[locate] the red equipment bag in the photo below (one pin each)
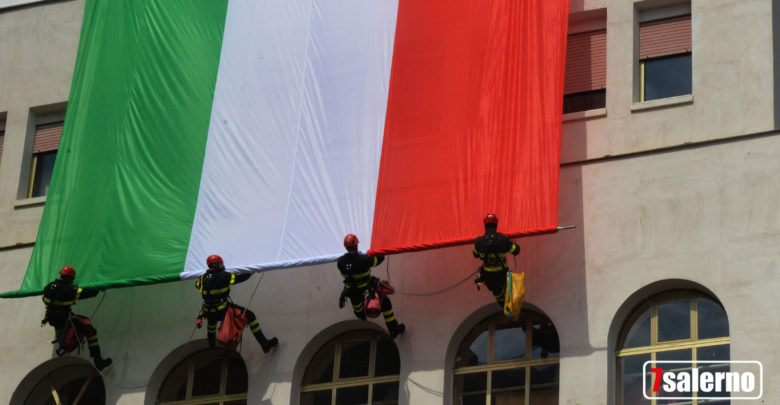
(74, 335)
(232, 327)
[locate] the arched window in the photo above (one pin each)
(358, 367)
(505, 362)
(678, 325)
(212, 376)
(73, 385)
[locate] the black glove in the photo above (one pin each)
(343, 298)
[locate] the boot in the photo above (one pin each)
(212, 338)
(266, 344)
(396, 329)
(100, 363)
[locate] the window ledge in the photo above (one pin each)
(30, 202)
(663, 102)
(584, 115)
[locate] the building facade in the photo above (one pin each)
(670, 166)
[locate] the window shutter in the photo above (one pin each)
(669, 36)
(586, 62)
(47, 137)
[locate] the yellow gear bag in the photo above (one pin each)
(513, 298)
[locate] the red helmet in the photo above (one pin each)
(68, 271)
(490, 219)
(350, 241)
(214, 259)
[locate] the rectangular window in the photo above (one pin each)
(585, 86)
(45, 145)
(665, 64)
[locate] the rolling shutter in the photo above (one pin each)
(586, 62)
(47, 137)
(670, 36)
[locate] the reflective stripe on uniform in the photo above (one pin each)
(493, 268)
(254, 326)
(232, 278)
(60, 303)
(217, 309)
(78, 294)
(215, 292)
(390, 319)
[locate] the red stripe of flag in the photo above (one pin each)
(473, 122)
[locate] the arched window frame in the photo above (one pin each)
(41, 383)
(692, 343)
(528, 318)
(353, 336)
(221, 398)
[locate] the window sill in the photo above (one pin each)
(30, 202)
(584, 115)
(663, 102)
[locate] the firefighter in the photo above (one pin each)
(214, 286)
(355, 267)
(492, 248)
(58, 296)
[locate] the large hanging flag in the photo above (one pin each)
(265, 131)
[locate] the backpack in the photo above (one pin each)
(71, 339)
(232, 327)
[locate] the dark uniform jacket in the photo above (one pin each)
(492, 248)
(59, 296)
(356, 268)
(214, 287)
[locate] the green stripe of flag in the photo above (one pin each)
(125, 184)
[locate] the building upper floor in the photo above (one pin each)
(640, 76)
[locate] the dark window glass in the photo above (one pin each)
(631, 380)
(207, 377)
(354, 359)
(174, 387)
(44, 166)
(508, 379)
(352, 395)
(674, 321)
(316, 397)
(639, 334)
(544, 384)
(385, 394)
(667, 76)
(320, 368)
(472, 383)
(475, 351)
(509, 342)
(237, 380)
(544, 341)
(388, 361)
(586, 100)
(712, 319)
(675, 355)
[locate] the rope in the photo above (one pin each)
(251, 297)
(105, 377)
(426, 294)
(99, 304)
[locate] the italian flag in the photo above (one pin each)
(264, 131)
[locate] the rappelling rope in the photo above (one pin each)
(428, 293)
(251, 297)
(132, 387)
